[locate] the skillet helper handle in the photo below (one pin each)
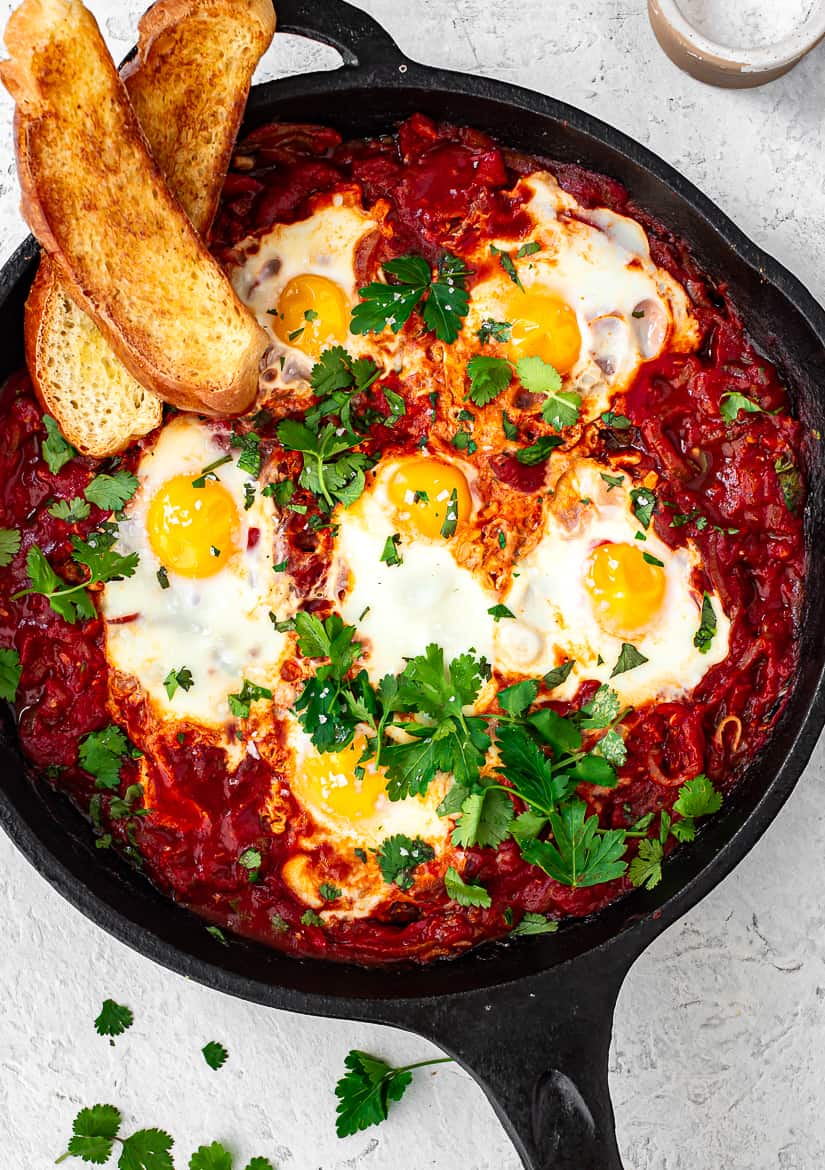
(539, 1049)
(358, 38)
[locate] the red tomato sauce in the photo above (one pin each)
(443, 185)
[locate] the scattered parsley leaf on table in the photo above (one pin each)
(215, 1054)
(147, 1149)
(213, 1157)
(93, 1134)
(368, 1087)
(10, 672)
(113, 1020)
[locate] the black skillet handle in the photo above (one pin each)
(539, 1048)
(358, 38)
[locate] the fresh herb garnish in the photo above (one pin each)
(95, 1131)
(790, 482)
(240, 702)
(651, 560)
(390, 555)
(560, 407)
(450, 516)
(329, 892)
(506, 262)
(497, 612)
(539, 451)
(617, 422)
(215, 1054)
(113, 1020)
(54, 448)
(10, 672)
(332, 471)
(581, 854)
(310, 918)
(445, 298)
(643, 502)
(208, 472)
(704, 635)
(559, 674)
(465, 894)
(528, 249)
(628, 659)
(697, 798)
(70, 510)
(488, 377)
(400, 856)
(182, 677)
(73, 602)
(249, 460)
(111, 492)
(367, 1089)
(535, 924)
(508, 426)
(498, 330)
(612, 481)
(101, 754)
(732, 402)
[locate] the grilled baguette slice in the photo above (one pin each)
(188, 85)
(122, 246)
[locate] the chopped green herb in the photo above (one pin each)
(215, 1054)
(55, 450)
(10, 673)
(70, 510)
(310, 918)
(488, 377)
(113, 1020)
(111, 491)
(528, 249)
(644, 505)
(163, 577)
(506, 262)
(178, 678)
(732, 402)
(498, 330)
(460, 891)
(451, 516)
(497, 612)
(707, 629)
(617, 422)
(400, 856)
(535, 924)
(629, 658)
(651, 560)
(539, 451)
(445, 298)
(239, 703)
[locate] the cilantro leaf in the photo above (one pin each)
(528, 249)
(450, 516)
(698, 798)
(629, 658)
(561, 407)
(114, 1019)
(213, 1157)
(704, 636)
(790, 482)
(365, 1091)
(618, 422)
(506, 262)
(497, 612)
(646, 867)
(249, 460)
(111, 492)
(182, 677)
(331, 372)
(215, 1054)
(517, 698)
(259, 1164)
(485, 818)
(241, 701)
(310, 918)
(582, 855)
(9, 545)
(329, 892)
(331, 471)
(612, 748)
(250, 860)
(390, 555)
(488, 377)
(528, 769)
(101, 753)
(55, 449)
(612, 481)
(70, 510)
(644, 505)
(535, 924)
(465, 894)
(510, 429)
(399, 857)
(447, 303)
(732, 402)
(602, 710)
(147, 1149)
(498, 330)
(559, 674)
(93, 1134)
(10, 672)
(539, 451)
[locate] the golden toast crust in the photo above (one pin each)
(97, 202)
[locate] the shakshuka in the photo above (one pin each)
(475, 618)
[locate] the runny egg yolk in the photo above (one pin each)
(626, 591)
(312, 312)
(193, 531)
(544, 326)
(420, 490)
(328, 783)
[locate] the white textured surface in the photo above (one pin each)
(717, 1058)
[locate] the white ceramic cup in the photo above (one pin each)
(733, 68)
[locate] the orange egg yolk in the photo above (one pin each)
(544, 326)
(312, 313)
(626, 591)
(421, 491)
(193, 531)
(327, 781)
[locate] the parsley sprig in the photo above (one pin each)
(96, 555)
(96, 1130)
(444, 296)
(368, 1087)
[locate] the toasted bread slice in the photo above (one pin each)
(122, 246)
(189, 97)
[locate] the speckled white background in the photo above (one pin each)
(718, 1050)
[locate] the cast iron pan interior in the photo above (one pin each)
(531, 1021)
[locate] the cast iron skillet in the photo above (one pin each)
(531, 1021)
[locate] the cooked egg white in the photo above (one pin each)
(214, 616)
(591, 303)
(299, 280)
(587, 588)
(400, 608)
